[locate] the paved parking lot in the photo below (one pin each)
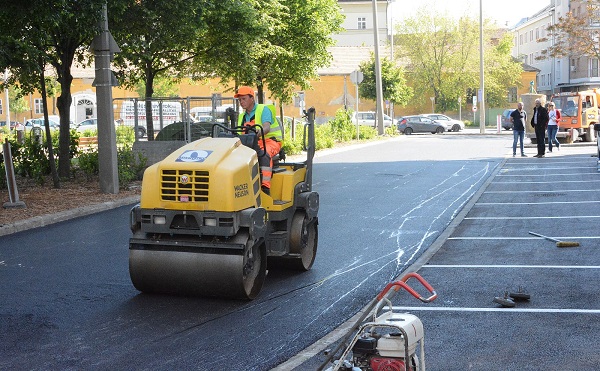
(488, 251)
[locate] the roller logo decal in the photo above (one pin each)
(241, 190)
(184, 179)
(193, 156)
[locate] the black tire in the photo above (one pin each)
(456, 128)
(408, 131)
(141, 132)
(304, 237)
(439, 130)
(590, 135)
(254, 269)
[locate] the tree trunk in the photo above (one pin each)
(63, 103)
(55, 177)
(149, 93)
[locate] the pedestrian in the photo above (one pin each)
(539, 121)
(518, 117)
(553, 124)
(263, 115)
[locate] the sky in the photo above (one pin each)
(502, 11)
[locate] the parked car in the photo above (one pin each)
(31, 123)
(13, 124)
(449, 123)
(368, 119)
(506, 123)
(87, 125)
(420, 124)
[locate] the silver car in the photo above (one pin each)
(450, 123)
(419, 124)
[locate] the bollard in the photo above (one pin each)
(13, 193)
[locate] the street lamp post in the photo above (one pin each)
(460, 108)
(432, 104)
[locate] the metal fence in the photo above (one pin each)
(173, 118)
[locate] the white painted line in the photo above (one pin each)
(505, 170)
(533, 217)
(512, 310)
(537, 203)
(545, 175)
(547, 191)
(511, 266)
(521, 238)
(550, 182)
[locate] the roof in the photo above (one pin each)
(346, 59)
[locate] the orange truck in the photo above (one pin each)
(578, 114)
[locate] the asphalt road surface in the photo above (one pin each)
(68, 303)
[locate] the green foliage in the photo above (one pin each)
(392, 80)
(443, 59)
(125, 136)
(130, 166)
(87, 160)
(341, 127)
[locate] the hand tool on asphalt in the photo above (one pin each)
(387, 341)
(519, 295)
(505, 300)
(559, 243)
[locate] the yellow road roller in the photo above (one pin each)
(204, 227)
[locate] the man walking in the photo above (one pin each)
(539, 122)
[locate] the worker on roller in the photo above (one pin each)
(263, 115)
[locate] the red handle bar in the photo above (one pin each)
(397, 285)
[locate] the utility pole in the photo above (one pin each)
(378, 72)
(103, 47)
(481, 77)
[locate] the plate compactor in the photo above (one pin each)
(204, 227)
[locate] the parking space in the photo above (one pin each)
(490, 252)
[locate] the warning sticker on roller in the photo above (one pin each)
(193, 156)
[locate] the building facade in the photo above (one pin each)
(556, 75)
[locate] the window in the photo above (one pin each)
(557, 74)
(593, 68)
(362, 23)
(531, 35)
(39, 107)
(537, 33)
(1, 108)
(520, 39)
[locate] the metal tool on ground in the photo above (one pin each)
(505, 300)
(204, 227)
(519, 295)
(559, 243)
(387, 340)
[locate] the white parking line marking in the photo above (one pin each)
(533, 217)
(537, 203)
(512, 310)
(511, 266)
(540, 175)
(548, 191)
(522, 238)
(550, 182)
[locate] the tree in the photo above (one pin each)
(576, 33)
(18, 103)
(163, 87)
(294, 48)
(443, 59)
(392, 79)
(49, 32)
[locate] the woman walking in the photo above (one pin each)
(554, 116)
